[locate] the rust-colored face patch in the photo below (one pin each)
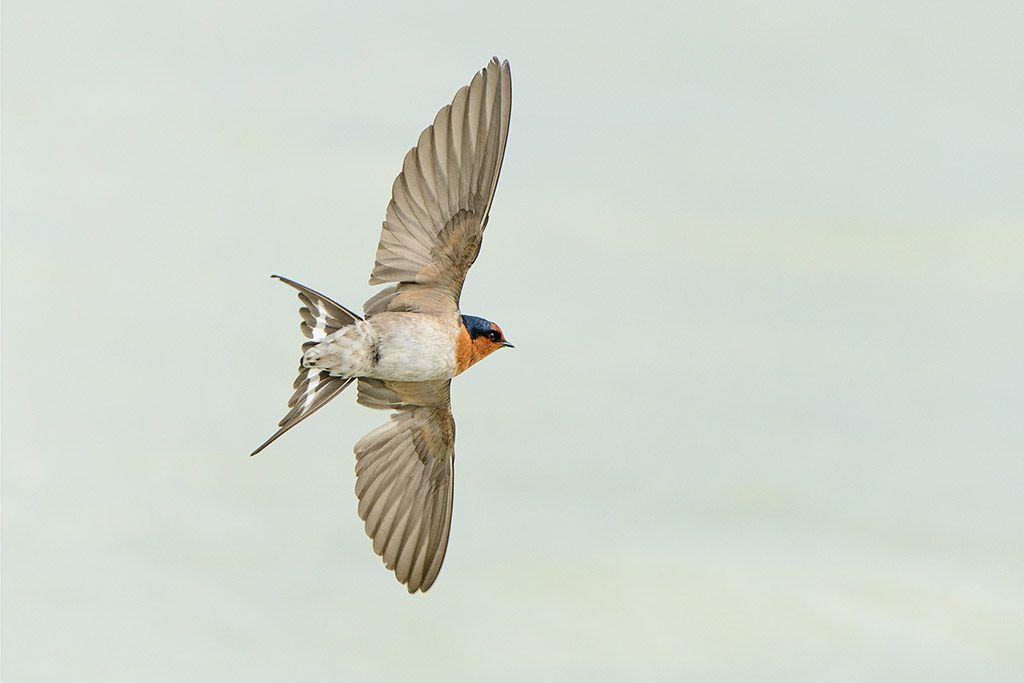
(469, 351)
(463, 351)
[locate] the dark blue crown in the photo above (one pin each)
(476, 326)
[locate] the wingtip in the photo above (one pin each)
(498, 63)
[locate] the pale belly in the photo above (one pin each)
(412, 347)
(403, 347)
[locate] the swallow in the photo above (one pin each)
(412, 338)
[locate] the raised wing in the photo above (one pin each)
(441, 199)
(405, 471)
(321, 316)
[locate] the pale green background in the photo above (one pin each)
(764, 267)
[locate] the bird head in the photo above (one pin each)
(481, 339)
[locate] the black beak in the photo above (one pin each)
(505, 343)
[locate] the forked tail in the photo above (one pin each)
(314, 388)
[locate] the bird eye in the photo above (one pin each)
(494, 336)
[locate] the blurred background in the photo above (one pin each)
(763, 265)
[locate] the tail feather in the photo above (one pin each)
(321, 315)
(321, 390)
(314, 388)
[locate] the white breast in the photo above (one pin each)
(413, 347)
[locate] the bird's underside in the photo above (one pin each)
(401, 355)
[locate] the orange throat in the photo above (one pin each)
(469, 351)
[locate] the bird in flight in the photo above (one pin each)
(412, 339)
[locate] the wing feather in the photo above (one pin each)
(441, 199)
(404, 477)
